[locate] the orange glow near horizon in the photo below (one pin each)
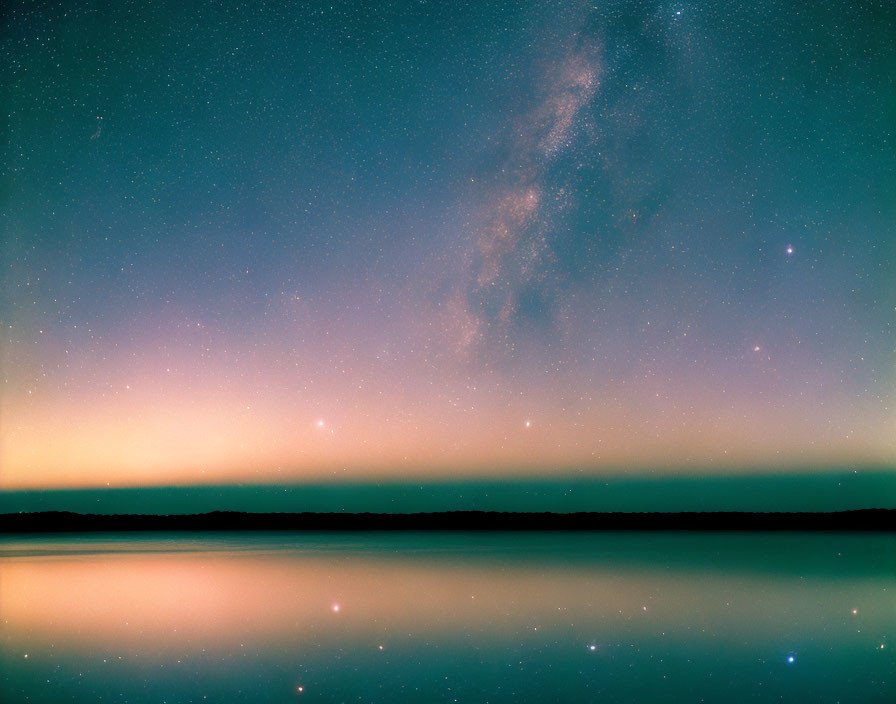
(132, 442)
(131, 418)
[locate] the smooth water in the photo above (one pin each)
(431, 617)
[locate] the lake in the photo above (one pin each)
(448, 617)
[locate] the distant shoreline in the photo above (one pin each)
(67, 522)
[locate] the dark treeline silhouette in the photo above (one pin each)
(62, 521)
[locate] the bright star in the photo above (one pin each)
(335, 607)
(528, 423)
(789, 249)
(791, 659)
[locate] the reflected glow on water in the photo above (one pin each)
(438, 617)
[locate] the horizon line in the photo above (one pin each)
(668, 474)
(869, 519)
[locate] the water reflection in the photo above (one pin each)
(442, 617)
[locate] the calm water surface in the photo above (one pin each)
(448, 618)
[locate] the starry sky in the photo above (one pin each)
(422, 241)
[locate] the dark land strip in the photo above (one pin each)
(66, 522)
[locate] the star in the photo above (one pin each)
(528, 423)
(789, 250)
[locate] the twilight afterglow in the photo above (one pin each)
(425, 241)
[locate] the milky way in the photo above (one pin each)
(424, 240)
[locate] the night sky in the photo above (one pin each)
(277, 243)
